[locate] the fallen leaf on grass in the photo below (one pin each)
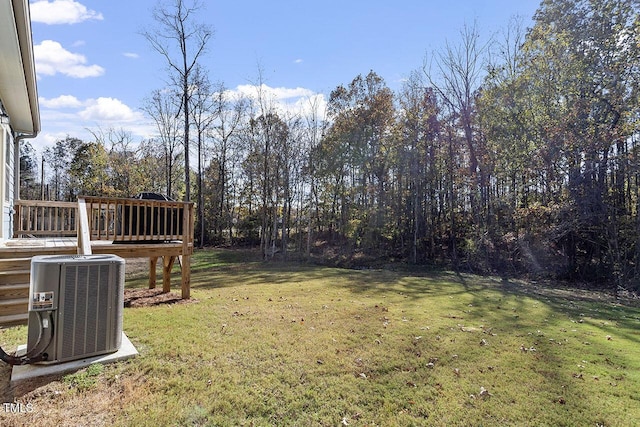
(484, 392)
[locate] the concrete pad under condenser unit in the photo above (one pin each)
(25, 372)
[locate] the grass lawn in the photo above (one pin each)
(289, 344)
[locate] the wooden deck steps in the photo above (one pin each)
(14, 320)
(14, 290)
(12, 264)
(15, 276)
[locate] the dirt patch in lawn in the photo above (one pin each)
(151, 297)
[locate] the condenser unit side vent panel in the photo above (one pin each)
(87, 311)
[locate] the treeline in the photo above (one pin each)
(520, 155)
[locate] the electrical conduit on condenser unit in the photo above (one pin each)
(36, 354)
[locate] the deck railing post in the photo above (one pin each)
(17, 220)
(84, 235)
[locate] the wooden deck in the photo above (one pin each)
(129, 228)
(33, 243)
(168, 251)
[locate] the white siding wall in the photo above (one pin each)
(6, 181)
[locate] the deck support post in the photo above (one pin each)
(167, 266)
(153, 262)
(186, 276)
(187, 250)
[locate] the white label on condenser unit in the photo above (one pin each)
(42, 301)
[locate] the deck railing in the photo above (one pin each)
(34, 218)
(117, 219)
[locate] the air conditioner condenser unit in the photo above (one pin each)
(76, 306)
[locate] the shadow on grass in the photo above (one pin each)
(228, 268)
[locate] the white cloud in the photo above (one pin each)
(62, 12)
(279, 93)
(298, 61)
(311, 106)
(63, 101)
(291, 93)
(131, 55)
(108, 110)
(68, 115)
(47, 139)
(69, 111)
(294, 101)
(51, 58)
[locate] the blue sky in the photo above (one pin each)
(95, 69)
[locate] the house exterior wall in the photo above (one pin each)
(7, 148)
(19, 110)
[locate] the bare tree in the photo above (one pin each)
(315, 127)
(182, 42)
(230, 113)
(458, 74)
(203, 109)
(163, 110)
